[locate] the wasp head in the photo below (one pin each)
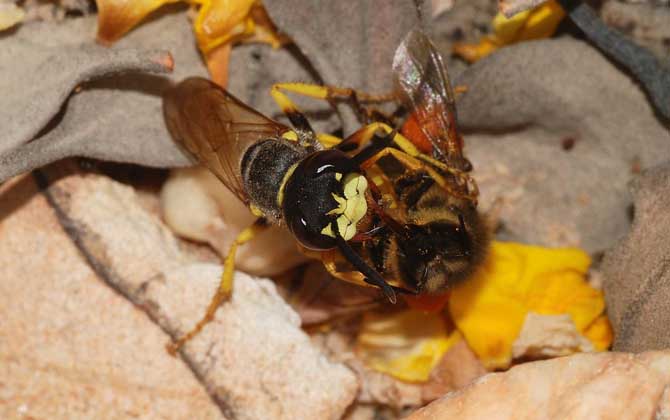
(324, 197)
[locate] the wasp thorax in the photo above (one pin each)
(324, 197)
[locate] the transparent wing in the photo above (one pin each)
(216, 128)
(425, 89)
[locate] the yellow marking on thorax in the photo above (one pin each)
(290, 135)
(282, 186)
(255, 210)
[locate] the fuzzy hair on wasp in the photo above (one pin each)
(373, 207)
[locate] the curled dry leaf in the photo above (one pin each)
(116, 118)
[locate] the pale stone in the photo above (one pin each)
(71, 347)
(545, 336)
(260, 361)
(196, 205)
(619, 386)
(254, 360)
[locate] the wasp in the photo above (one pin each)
(376, 208)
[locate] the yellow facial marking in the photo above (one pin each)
(328, 231)
(351, 208)
(338, 176)
(341, 205)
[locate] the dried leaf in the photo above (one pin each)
(117, 118)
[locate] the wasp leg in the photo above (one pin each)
(332, 93)
(225, 286)
(415, 164)
(409, 155)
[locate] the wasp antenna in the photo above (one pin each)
(371, 276)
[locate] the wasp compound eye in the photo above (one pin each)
(324, 192)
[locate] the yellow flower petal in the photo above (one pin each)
(10, 15)
(542, 22)
(217, 64)
(600, 333)
(537, 23)
(220, 21)
(406, 345)
(474, 52)
(516, 279)
(116, 17)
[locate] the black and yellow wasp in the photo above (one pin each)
(376, 207)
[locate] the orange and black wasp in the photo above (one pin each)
(377, 208)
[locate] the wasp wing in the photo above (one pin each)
(216, 128)
(425, 89)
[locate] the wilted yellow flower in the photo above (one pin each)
(116, 17)
(219, 23)
(600, 333)
(537, 23)
(489, 311)
(516, 279)
(222, 21)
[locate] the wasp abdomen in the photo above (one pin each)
(264, 167)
